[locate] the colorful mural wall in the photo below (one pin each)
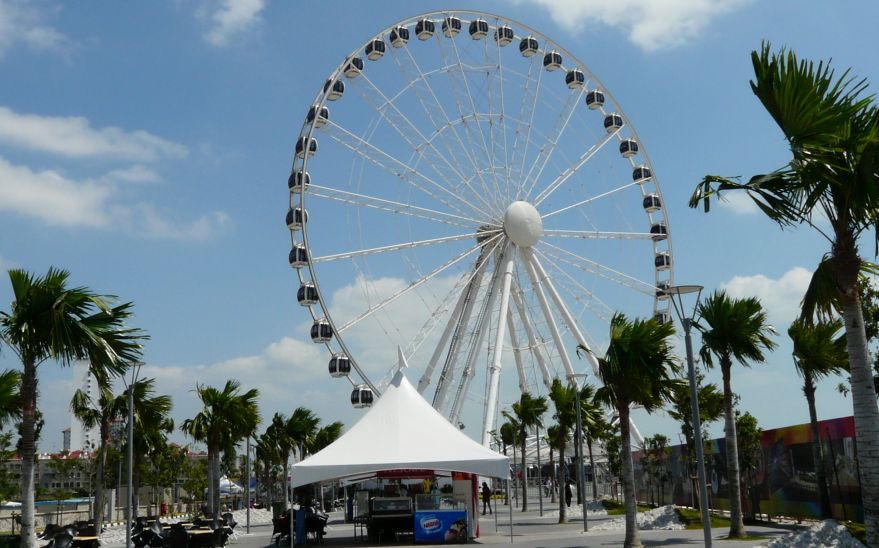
(784, 481)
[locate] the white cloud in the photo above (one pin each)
(50, 197)
(73, 137)
(57, 200)
(232, 19)
(780, 297)
(145, 219)
(650, 24)
(133, 174)
(21, 23)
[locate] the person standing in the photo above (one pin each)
(486, 498)
(568, 493)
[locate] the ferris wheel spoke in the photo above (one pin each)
(422, 146)
(461, 91)
(431, 105)
(593, 267)
(396, 295)
(599, 235)
(405, 172)
(543, 157)
(547, 315)
(606, 311)
(590, 200)
(567, 173)
(503, 124)
(395, 247)
(521, 125)
(362, 200)
(569, 320)
(529, 117)
(533, 344)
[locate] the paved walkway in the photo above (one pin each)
(529, 530)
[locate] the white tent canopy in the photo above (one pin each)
(401, 431)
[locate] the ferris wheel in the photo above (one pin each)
(465, 188)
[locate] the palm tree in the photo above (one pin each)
(595, 426)
(301, 428)
(10, 396)
(733, 328)
(833, 129)
(227, 416)
(326, 435)
(152, 424)
(681, 410)
(639, 368)
(100, 414)
(267, 455)
(48, 320)
(818, 352)
(528, 412)
(564, 398)
(553, 441)
(508, 432)
(283, 443)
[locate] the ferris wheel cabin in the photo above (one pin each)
(319, 120)
(306, 146)
(361, 396)
(340, 365)
(334, 90)
(612, 122)
(503, 35)
(321, 331)
(662, 261)
(353, 68)
(424, 29)
(296, 217)
(451, 27)
(307, 294)
(374, 50)
(298, 256)
(399, 36)
(528, 46)
(659, 231)
(652, 203)
(552, 61)
(478, 29)
(298, 180)
(575, 79)
(641, 174)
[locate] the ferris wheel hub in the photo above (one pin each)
(523, 224)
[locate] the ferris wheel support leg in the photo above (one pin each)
(478, 337)
(636, 434)
(532, 340)
(517, 352)
(495, 370)
(444, 381)
(566, 314)
(547, 313)
(450, 325)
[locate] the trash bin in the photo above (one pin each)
(278, 508)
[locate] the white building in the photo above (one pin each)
(82, 438)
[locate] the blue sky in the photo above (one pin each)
(145, 148)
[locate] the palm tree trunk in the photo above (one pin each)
(578, 458)
(523, 435)
(736, 522)
(98, 515)
(28, 450)
(632, 536)
(817, 450)
(215, 480)
(563, 509)
(552, 475)
(864, 404)
(592, 467)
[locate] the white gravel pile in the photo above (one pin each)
(594, 508)
(825, 533)
(663, 517)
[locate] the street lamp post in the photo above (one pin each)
(580, 487)
(247, 486)
(676, 293)
(135, 369)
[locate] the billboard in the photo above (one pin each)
(783, 482)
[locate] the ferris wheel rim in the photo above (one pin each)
(308, 132)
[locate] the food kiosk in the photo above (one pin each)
(440, 518)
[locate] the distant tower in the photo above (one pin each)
(65, 443)
(82, 438)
